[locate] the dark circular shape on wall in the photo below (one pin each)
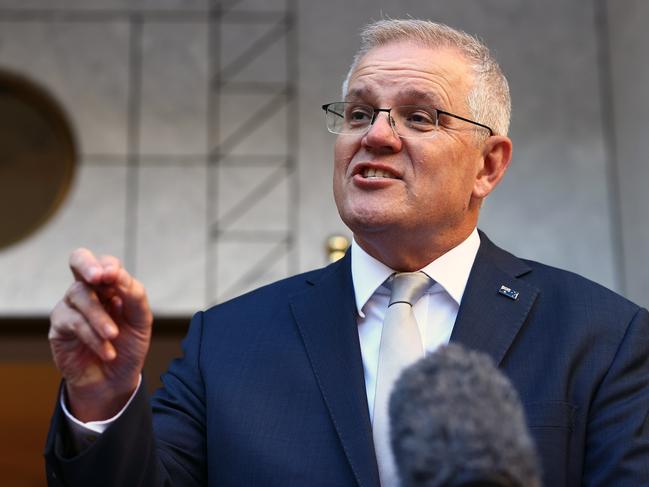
(37, 157)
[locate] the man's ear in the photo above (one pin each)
(496, 154)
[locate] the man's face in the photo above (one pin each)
(421, 187)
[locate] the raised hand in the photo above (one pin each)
(99, 335)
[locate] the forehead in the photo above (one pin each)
(407, 71)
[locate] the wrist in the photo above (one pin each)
(98, 403)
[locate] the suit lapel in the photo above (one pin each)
(490, 317)
(326, 317)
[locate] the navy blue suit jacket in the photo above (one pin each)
(270, 390)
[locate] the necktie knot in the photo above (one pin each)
(408, 287)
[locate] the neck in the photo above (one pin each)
(408, 255)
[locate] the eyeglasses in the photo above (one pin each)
(408, 121)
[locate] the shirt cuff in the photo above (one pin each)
(84, 434)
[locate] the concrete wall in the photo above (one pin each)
(628, 120)
(142, 82)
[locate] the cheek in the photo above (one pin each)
(344, 150)
(341, 162)
(443, 175)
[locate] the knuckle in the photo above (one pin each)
(84, 332)
(110, 260)
(75, 324)
(77, 255)
(52, 332)
(76, 292)
(56, 311)
(62, 321)
(57, 316)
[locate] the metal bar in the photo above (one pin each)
(254, 50)
(132, 168)
(252, 87)
(91, 15)
(170, 159)
(152, 159)
(226, 6)
(253, 196)
(253, 122)
(253, 17)
(220, 155)
(252, 236)
(249, 277)
(213, 138)
(293, 134)
(254, 160)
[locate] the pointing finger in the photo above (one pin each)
(85, 266)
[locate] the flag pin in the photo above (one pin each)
(510, 293)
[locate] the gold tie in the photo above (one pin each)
(400, 347)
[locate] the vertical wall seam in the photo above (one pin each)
(213, 137)
(293, 127)
(607, 104)
(132, 168)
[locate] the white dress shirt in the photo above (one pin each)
(435, 312)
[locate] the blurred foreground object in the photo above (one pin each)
(336, 247)
(456, 420)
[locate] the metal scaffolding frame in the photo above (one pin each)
(281, 25)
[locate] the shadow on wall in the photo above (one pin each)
(38, 154)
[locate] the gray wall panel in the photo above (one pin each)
(629, 52)
(143, 91)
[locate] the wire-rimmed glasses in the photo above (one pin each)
(408, 121)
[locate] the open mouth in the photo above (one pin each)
(369, 173)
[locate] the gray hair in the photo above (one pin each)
(488, 101)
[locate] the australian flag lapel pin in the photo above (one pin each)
(509, 292)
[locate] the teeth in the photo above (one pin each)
(376, 173)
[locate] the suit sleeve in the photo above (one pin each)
(141, 448)
(617, 443)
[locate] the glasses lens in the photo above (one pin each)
(415, 121)
(348, 118)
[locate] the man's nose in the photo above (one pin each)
(382, 135)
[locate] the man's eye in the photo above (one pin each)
(358, 115)
(420, 119)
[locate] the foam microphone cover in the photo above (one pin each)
(457, 421)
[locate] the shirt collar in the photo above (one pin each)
(450, 271)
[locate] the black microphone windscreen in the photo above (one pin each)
(456, 420)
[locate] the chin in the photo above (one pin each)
(363, 222)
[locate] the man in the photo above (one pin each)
(286, 385)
